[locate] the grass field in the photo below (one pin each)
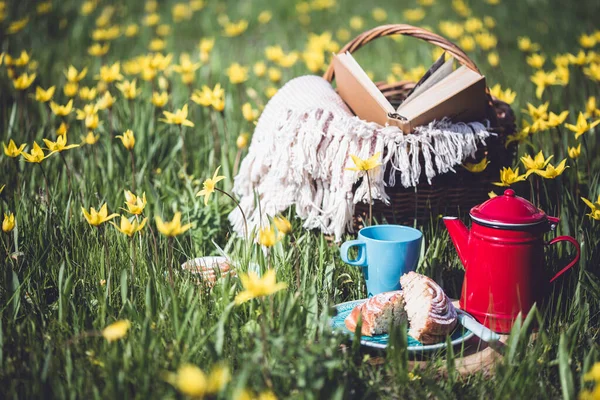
(63, 280)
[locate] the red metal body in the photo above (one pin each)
(504, 261)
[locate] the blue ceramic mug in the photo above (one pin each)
(386, 252)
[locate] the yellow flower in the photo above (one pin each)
(88, 7)
(97, 218)
(8, 224)
(259, 69)
(189, 380)
(591, 109)
(288, 60)
(486, 40)
(255, 286)
(62, 129)
(237, 74)
(232, 29)
(132, 30)
(536, 60)
(479, 167)
(587, 41)
(343, 34)
(218, 378)
(365, 165)
(172, 228)
(267, 236)
(274, 74)
(185, 64)
(578, 59)
(379, 14)
(23, 81)
(539, 112)
(110, 73)
(270, 91)
(177, 118)
(595, 214)
(493, 59)
(105, 102)
(582, 125)
(130, 228)
(203, 97)
(36, 155)
(73, 75)
(242, 141)
(556, 120)
(12, 150)
(473, 25)
(508, 177)
(197, 5)
(356, 23)
(209, 186)
(88, 110)
(128, 88)
(467, 43)
(127, 139)
(206, 45)
(537, 163)
(313, 59)
(551, 171)
(574, 152)
(101, 35)
(414, 15)
(507, 96)
(98, 50)
(462, 8)
(117, 330)
(452, 30)
(19, 62)
(135, 204)
(489, 22)
(90, 138)
(59, 145)
(265, 16)
(491, 194)
(181, 11)
(249, 113)
(88, 94)
(44, 96)
(283, 225)
(151, 19)
(160, 99)
(593, 72)
(17, 25)
(70, 89)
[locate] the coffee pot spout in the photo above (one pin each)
(459, 234)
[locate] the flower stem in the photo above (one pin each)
(237, 204)
(170, 261)
(46, 181)
(236, 163)
(62, 157)
(370, 200)
(183, 150)
(106, 260)
(132, 169)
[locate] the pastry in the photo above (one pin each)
(431, 314)
(378, 313)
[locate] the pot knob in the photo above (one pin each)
(509, 192)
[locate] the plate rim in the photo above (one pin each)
(426, 347)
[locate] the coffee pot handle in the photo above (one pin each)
(575, 260)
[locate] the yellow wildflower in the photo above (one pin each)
(591, 110)
(582, 125)
(88, 110)
(110, 73)
(414, 15)
(356, 23)
(70, 89)
(131, 30)
(288, 60)
(185, 64)
(249, 113)
(343, 34)
(160, 99)
(88, 94)
(587, 41)
(265, 16)
(157, 44)
(130, 228)
(190, 381)
(8, 223)
(173, 227)
(313, 59)
(117, 330)
(274, 53)
(556, 120)
(73, 75)
(507, 96)
(237, 74)
(128, 88)
(260, 69)
(478, 167)
(467, 43)
(595, 214)
(255, 286)
(489, 22)
(128, 139)
(536, 163)
(135, 204)
(98, 50)
(105, 102)
(23, 81)
(62, 129)
(12, 150)
(270, 91)
(209, 186)
(44, 96)
(283, 224)
(452, 30)
(539, 112)
(151, 19)
(177, 118)
(97, 218)
(551, 171)
(379, 14)
(88, 7)
(493, 59)
(181, 11)
(578, 59)
(36, 155)
(17, 26)
(90, 138)
(21, 61)
(473, 25)
(196, 5)
(491, 194)
(536, 60)
(508, 177)
(593, 72)
(574, 152)
(232, 29)
(365, 165)
(274, 74)
(242, 141)
(59, 145)
(486, 40)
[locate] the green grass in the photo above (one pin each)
(52, 302)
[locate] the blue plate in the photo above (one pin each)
(460, 335)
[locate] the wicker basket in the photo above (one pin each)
(450, 192)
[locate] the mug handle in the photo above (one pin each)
(572, 263)
(361, 260)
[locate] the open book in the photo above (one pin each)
(443, 92)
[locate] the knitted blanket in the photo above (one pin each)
(301, 148)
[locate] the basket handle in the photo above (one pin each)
(408, 30)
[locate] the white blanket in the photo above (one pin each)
(301, 148)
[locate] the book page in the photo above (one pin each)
(365, 81)
(437, 76)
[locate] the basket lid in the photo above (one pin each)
(508, 210)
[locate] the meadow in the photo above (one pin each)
(135, 105)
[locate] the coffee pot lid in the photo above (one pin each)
(508, 210)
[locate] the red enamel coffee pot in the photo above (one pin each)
(503, 256)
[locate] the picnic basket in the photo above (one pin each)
(449, 192)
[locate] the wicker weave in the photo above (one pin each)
(450, 192)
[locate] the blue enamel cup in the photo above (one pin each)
(385, 253)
